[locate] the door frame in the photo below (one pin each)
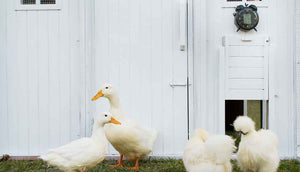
(190, 67)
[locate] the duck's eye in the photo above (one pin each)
(106, 87)
(105, 115)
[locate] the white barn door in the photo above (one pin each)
(40, 77)
(140, 49)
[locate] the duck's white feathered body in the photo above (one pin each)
(84, 153)
(208, 153)
(129, 139)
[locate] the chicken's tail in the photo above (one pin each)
(201, 134)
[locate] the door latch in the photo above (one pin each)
(172, 84)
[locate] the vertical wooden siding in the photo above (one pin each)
(39, 78)
(298, 73)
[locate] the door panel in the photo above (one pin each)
(137, 49)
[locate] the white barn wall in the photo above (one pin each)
(211, 23)
(40, 78)
(44, 99)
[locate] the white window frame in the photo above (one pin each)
(233, 4)
(37, 6)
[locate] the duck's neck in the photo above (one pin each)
(114, 102)
(115, 107)
(98, 134)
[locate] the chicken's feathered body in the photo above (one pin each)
(258, 150)
(209, 154)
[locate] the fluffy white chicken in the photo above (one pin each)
(208, 153)
(258, 150)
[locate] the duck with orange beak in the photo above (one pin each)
(84, 153)
(129, 139)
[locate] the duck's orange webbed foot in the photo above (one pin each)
(120, 164)
(136, 167)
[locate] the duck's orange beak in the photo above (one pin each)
(113, 120)
(99, 94)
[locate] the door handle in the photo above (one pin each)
(182, 25)
(173, 84)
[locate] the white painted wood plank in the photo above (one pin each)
(146, 33)
(244, 84)
(179, 75)
(22, 88)
(33, 101)
(134, 52)
(222, 91)
(245, 95)
(201, 107)
(191, 69)
(75, 71)
(3, 78)
(124, 56)
(266, 71)
(114, 48)
(248, 51)
(54, 85)
(298, 72)
(43, 78)
(64, 70)
(157, 69)
(167, 97)
(84, 18)
(246, 62)
(249, 73)
(89, 55)
(12, 81)
(245, 40)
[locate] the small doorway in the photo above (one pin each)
(257, 110)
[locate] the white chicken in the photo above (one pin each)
(258, 150)
(85, 153)
(208, 153)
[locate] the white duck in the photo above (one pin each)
(258, 150)
(208, 153)
(129, 139)
(85, 153)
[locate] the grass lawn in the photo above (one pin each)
(150, 165)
